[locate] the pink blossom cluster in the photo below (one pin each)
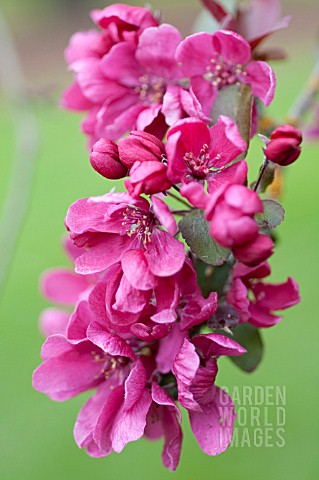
(133, 316)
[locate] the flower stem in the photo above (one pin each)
(261, 174)
(179, 199)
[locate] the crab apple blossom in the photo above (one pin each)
(117, 227)
(131, 322)
(231, 211)
(196, 153)
(123, 406)
(267, 297)
(215, 61)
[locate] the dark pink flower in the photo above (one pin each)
(116, 227)
(214, 61)
(210, 409)
(231, 212)
(284, 145)
(257, 301)
(145, 82)
(196, 153)
(127, 403)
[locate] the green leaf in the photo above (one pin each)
(249, 337)
(212, 279)
(195, 231)
(272, 216)
(235, 102)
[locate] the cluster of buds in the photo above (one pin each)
(143, 294)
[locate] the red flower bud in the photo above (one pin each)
(105, 160)
(140, 146)
(283, 147)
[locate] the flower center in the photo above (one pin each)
(139, 222)
(201, 166)
(108, 364)
(151, 89)
(221, 73)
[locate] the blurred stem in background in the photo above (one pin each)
(26, 147)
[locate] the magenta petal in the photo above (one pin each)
(131, 419)
(262, 79)
(172, 106)
(79, 322)
(277, 296)
(194, 192)
(255, 252)
(213, 426)
(205, 93)
(171, 419)
(195, 53)
(128, 299)
(109, 343)
(262, 318)
(226, 141)
(104, 254)
(120, 64)
(197, 310)
(184, 368)
(74, 99)
(236, 173)
(231, 47)
(149, 332)
(153, 54)
(107, 417)
(63, 286)
(88, 417)
(69, 371)
(164, 215)
(136, 270)
(165, 255)
(169, 348)
(214, 344)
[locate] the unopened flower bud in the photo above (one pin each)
(284, 145)
(105, 160)
(142, 147)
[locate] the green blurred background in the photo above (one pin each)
(36, 433)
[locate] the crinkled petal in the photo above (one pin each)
(262, 79)
(213, 426)
(165, 255)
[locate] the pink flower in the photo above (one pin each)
(127, 403)
(131, 84)
(284, 145)
(145, 84)
(196, 153)
(214, 61)
(211, 411)
(267, 297)
(123, 304)
(116, 227)
(231, 212)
